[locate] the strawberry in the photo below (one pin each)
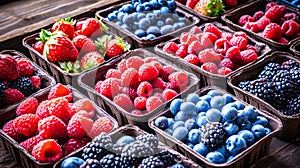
(9, 69)
(65, 25)
(78, 25)
(84, 44)
(290, 28)
(140, 103)
(25, 67)
(90, 60)
(182, 51)
(191, 3)
(210, 67)
(209, 27)
(124, 101)
(272, 31)
(192, 59)
(170, 47)
(39, 46)
(248, 56)
(222, 45)
(195, 47)
(209, 7)
(92, 27)
(244, 19)
(116, 47)
(209, 55)
(224, 71)
(230, 3)
(234, 54)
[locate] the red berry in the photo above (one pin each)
(148, 72)
(270, 5)
(263, 22)
(226, 62)
(39, 46)
(251, 47)
(248, 56)
(275, 13)
(91, 27)
(98, 85)
(240, 34)
(152, 103)
(85, 105)
(191, 3)
(234, 54)
(252, 26)
(222, 45)
(195, 47)
(79, 24)
(290, 28)
(131, 92)
(158, 83)
(272, 31)
(12, 96)
(208, 39)
(144, 89)
(78, 126)
(168, 94)
(283, 40)
(187, 38)
(209, 27)
(179, 79)
(36, 82)
(84, 44)
(244, 19)
(52, 127)
(150, 59)
(182, 51)
(230, 3)
(59, 107)
(290, 16)
(25, 67)
(134, 62)
(102, 124)
(240, 42)
(209, 55)
(195, 30)
(29, 143)
(210, 67)
(130, 77)
(136, 112)
(60, 90)
(29, 105)
(42, 110)
(192, 59)
(113, 73)
(75, 143)
(257, 15)
(224, 71)
(122, 65)
(123, 101)
(140, 103)
(47, 151)
(166, 71)
(227, 36)
(157, 65)
(26, 124)
(109, 87)
(9, 129)
(170, 47)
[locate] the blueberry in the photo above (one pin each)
(194, 136)
(161, 122)
(261, 120)
(144, 23)
(259, 131)
(182, 116)
(228, 98)
(151, 17)
(246, 126)
(171, 5)
(177, 165)
(240, 105)
(201, 121)
(167, 29)
(180, 133)
(175, 16)
(135, 26)
(206, 98)
(140, 16)
(134, 14)
(178, 124)
(151, 36)
(125, 26)
(171, 122)
(202, 106)
(193, 97)
(128, 8)
(136, 4)
(235, 144)
(217, 102)
(112, 16)
(231, 128)
(247, 136)
(229, 114)
(230, 105)
(147, 4)
(268, 131)
(169, 131)
(153, 30)
(241, 117)
(182, 19)
(119, 23)
(159, 23)
(215, 157)
(147, 8)
(201, 149)
(169, 21)
(155, 4)
(251, 112)
(134, 1)
(120, 16)
(188, 107)
(214, 93)
(176, 26)
(142, 1)
(71, 162)
(190, 145)
(190, 124)
(128, 19)
(180, 25)
(126, 139)
(140, 33)
(140, 8)
(223, 150)
(162, 2)
(213, 115)
(164, 10)
(175, 106)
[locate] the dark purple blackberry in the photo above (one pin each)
(23, 84)
(3, 87)
(284, 85)
(150, 139)
(293, 106)
(137, 150)
(103, 139)
(269, 71)
(117, 149)
(290, 64)
(213, 135)
(91, 163)
(152, 162)
(112, 161)
(261, 88)
(245, 85)
(93, 150)
(166, 157)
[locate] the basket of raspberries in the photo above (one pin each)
(73, 46)
(147, 22)
(137, 86)
(51, 125)
(215, 129)
(20, 78)
(212, 52)
(127, 147)
(275, 24)
(273, 84)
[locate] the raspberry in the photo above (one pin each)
(270, 5)
(251, 47)
(29, 143)
(47, 151)
(26, 124)
(182, 51)
(27, 106)
(36, 82)
(257, 15)
(240, 42)
(210, 67)
(275, 13)
(226, 62)
(75, 143)
(263, 22)
(290, 16)
(85, 105)
(195, 47)
(134, 62)
(157, 65)
(113, 73)
(25, 67)
(244, 19)
(147, 72)
(9, 129)
(60, 90)
(122, 65)
(283, 40)
(166, 71)
(150, 59)
(195, 30)
(130, 77)
(52, 127)
(140, 103)
(227, 36)
(224, 71)
(131, 92)
(248, 56)
(187, 38)
(170, 47)
(240, 34)
(179, 79)
(12, 96)
(78, 126)
(169, 94)
(109, 87)
(123, 101)
(158, 83)
(290, 28)
(272, 31)
(222, 45)
(192, 59)
(144, 89)
(152, 103)
(208, 39)
(136, 112)
(42, 110)
(59, 107)
(252, 26)
(102, 124)
(209, 27)
(234, 54)
(209, 55)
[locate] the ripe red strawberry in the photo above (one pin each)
(222, 45)
(195, 47)
(60, 90)
(263, 22)
(166, 71)
(191, 3)
(148, 72)
(85, 105)
(113, 73)
(226, 62)
(98, 86)
(230, 3)
(240, 42)
(42, 111)
(75, 143)
(78, 25)
(248, 56)
(9, 69)
(36, 82)
(168, 94)
(136, 112)
(208, 40)
(79, 126)
(272, 31)
(144, 89)
(39, 46)
(91, 60)
(110, 87)
(102, 124)
(275, 13)
(25, 67)
(52, 127)
(134, 62)
(140, 103)
(65, 25)
(195, 30)
(252, 26)
(130, 77)
(283, 40)
(179, 79)
(152, 103)
(47, 151)
(12, 96)
(84, 44)
(244, 19)
(209, 7)
(182, 51)
(9, 129)
(26, 124)
(29, 105)
(209, 27)
(224, 71)
(234, 54)
(209, 55)
(123, 101)
(290, 28)
(92, 27)
(116, 47)
(60, 108)
(170, 47)
(257, 15)
(29, 143)
(130, 91)
(210, 67)
(192, 59)
(158, 83)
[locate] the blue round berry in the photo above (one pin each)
(161, 122)
(175, 106)
(140, 33)
(193, 97)
(201, 149)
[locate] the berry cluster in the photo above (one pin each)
(148, 19)
(142, 151)
(18, 79)
(42, 128)
(78, 46)
(214, 125)
(215, 51)
(274, 23)
(279, 85)
(141, 85)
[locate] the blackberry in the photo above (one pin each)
(103, 139)
(93, 150)
(3, 87)
(293, 106)
(152, 162)
(261, 88)
(117, 149)
(23, 84)
(112, 161)
(91, 163)
(150, 139)
(137, 150)
(213, 135)
(283, 84)
(290, 64)
(166, 157)
(245, 85)
(269, 71)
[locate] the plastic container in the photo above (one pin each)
(207, 78)
(47, 81)
(89, 79)
(231, 19)
(244, 159)
(136, 41)
(295, 48)
(22, 156)
(135, 131)
(291, 124)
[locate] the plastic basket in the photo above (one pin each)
(291, 124)
(231, 19)
(136, 41)
(135, 131)
(295, 48)
(244, 159)
(207, 78)
(22, 156)
(89, 79)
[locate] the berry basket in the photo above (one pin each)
(89, 79)
(207, 78)
(291, 124)
(46, 80)
(21, 155)
(139, 42)
(134, 131)
(291, 4)
(296, 48)
(232, 18)
(245, 158)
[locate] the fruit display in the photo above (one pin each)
(20, 78)
(55, 124)
(293, 3)
(213, 124)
